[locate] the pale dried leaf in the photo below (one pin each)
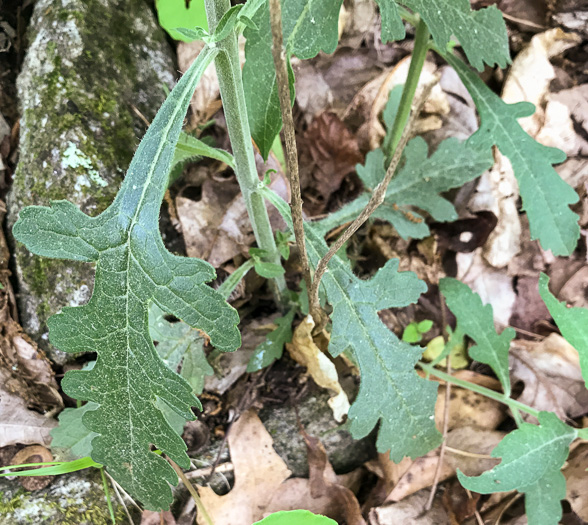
(258, 472)
(18, 424)
(550, 370)
(410, 512)
(304, 351)
(576, 478)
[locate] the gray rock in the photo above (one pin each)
(71, 499)
(89, 64)
(345, 453)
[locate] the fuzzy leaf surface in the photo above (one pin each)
(273, 347)
(572, 322)
(179, 343)
(71, 434)
(309, 26)
(417, 183)
(133, 269)
(532, 457)
(391, 392)
(546, 197)
(476, 320)
(481, 33)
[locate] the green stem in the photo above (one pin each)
(107, 495)
(231, 88)
(421, 46)
(502, 398)
(228, 287)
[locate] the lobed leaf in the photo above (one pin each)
(309, 26)
(477, 321)
(481, 33)
(572, 322)
(546, 197)
(417, 183)
(71, 434)
(133, 269)
(532, 457)
(391, 392)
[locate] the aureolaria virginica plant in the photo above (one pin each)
(133, 393)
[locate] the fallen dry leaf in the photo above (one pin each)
(33, 454)
(550, 371)
(492, 285)
(323, 493)
(410, 511)
(576, 476)
(258, 472)
(18, 424)
(149, 517)
(305, 352)
(468, 449)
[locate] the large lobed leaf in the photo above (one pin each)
(477, 321)
(133, 269)
(572, 322)
(546, 197)
(532, 457)
(391, 392)
(309, 26)
(417, 183)
(481, 33)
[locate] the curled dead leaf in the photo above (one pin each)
(305, 352)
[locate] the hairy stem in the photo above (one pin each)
(377, 198)
(231, 88)
(513, 404)
(281, 67)
(421, 43)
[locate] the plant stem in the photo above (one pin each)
(502, 398)
(421, 45)
(279, 56)
(231, 88)
(377, 198)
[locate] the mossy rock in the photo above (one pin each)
(71, 499)
(92, 70)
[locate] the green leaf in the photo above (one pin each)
(545, 195)
(295, 517)
(572, 322)
(481, 33)
(477, 321)
(71, 434)
(532, 457)
(269, 270)
(173, 14)
(309, 26)
(417, 183)
(191, 149)
(391, 392)
(180, 343)
(57, 468)
(271, 349)
(133, 269)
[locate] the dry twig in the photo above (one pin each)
(377, 198)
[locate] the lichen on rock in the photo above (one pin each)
(71, 499)
(94, 70)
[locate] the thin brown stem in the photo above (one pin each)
(192, 492)
(377, 198)
(281, 67)
(442, 450)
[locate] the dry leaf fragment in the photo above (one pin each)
(258, 472)
(577, 479)
(18, 424)
(550, 370)
(304, 351)
(410, 512)
(33, 454)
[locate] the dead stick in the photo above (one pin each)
(279, 55)
(377, 198)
